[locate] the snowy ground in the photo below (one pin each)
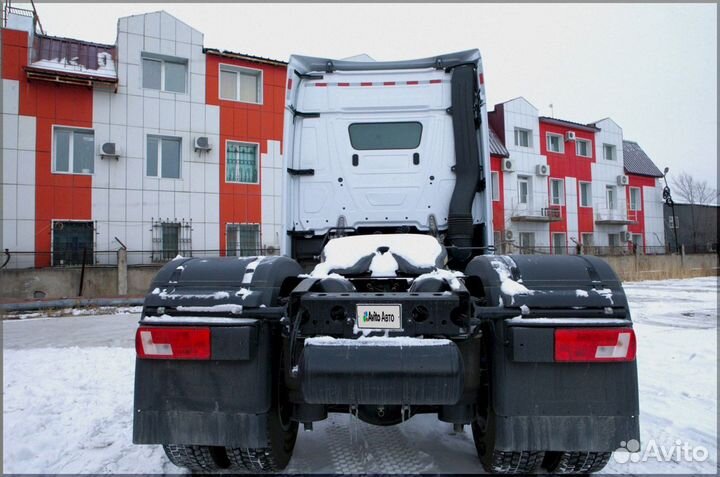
(68, 399)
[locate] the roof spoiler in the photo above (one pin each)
(309, 64)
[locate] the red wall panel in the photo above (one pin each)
(255, 123)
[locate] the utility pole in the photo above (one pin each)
(667, 197)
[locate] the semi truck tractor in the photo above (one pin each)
(387, 299)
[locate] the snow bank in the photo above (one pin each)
(376, 341)
(421, 251)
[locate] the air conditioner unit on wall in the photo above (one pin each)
(625, 236)
(542, 170)
(570, 136)
(202, 144)
(508, 165)
(508, 235)
(623, 180)
(109, 151)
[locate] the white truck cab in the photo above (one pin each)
(371, 147)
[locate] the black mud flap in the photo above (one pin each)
(539, 404)
(356, 372)
(219, 402)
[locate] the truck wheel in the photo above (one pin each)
(275, 455)
(197, 458)
(281, 434)
(496, 461)
(576, 462)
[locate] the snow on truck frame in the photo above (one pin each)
(405, 309)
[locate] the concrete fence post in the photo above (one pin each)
(122, 272)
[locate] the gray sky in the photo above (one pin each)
(650, 67)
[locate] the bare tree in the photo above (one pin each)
(694, 191)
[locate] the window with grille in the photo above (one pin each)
(170, 239)
(243, 240)
(241, 163)
(73, 242)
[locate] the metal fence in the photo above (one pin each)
(108, 258)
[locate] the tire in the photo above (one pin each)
(197, 458)
(576, 462)
(281, 434)
(496, 461)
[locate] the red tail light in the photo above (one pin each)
(595, 344)
(172, 343)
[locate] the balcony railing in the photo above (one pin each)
(617, 215)
(547, 213)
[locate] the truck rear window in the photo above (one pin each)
(369, 136)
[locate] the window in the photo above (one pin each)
(523, 190)
(372, 136)
(71, 240)
(74, 150)
(610, 197)
(582, 148)
(243, 239)
(555, 143)
(673, 222)
(523, 137)
(241, 163)
(609, 152)
(163, 157)
(527, 242)
(585, 194)
(614, 240)
(164, 73)
(170, 239)
(559, 244)
(495, 182)
(241, 84)
(587, 240)
(557, 190)
(635, 198)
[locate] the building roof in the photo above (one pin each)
(637, 162)
(563, 122)
(496, 146)
(72, 57)
(243, 56)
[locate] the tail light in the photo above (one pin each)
(595, 344)
(172, 343)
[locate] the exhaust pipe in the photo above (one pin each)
(467, 163)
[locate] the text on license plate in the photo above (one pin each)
(387, 317)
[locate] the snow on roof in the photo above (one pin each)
(74, 57)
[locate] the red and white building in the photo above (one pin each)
(156, 141)
(167, 147)
(564, 184)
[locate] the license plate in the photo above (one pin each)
(384, 317)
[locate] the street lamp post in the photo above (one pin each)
(667, 197)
